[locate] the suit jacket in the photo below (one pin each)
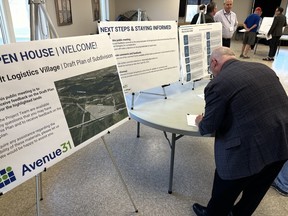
(276, 28)
(247, 108)
(208, 19)
(195, 18)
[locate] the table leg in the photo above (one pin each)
(278, 48)
(138, 129)
(172, 162)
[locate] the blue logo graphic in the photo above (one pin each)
(7, 176)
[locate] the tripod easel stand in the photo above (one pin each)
(35, 26)
(35, 5)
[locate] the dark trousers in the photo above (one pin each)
(273, 45)
(226, 42)
(253, 188)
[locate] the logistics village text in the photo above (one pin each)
(9, 58)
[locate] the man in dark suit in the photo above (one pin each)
(211, 11)
(208, 17)
(247, 110)
(276, 31)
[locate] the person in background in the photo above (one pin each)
(251, 26)
(257, 32)
(246, 108)
(229, 22)
(280, 184)
(201, 12)
(275, 31)
(210, 12)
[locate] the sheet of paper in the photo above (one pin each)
(268, 37)
(201, 96)
(191, 120)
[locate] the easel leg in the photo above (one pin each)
(119, 173)
(40, 187)
(35, 7)
(37, 195)
(32, 21)
(52, 27)
(255, 47)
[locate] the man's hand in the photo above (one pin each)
(198, 119)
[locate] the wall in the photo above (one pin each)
(155, 9)
(284, 4)
(112, 11)
(168, 9)
(83, 23)
(241, 8)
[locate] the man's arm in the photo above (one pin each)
(194, 20)
(215, 110)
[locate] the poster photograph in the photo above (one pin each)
(63, 12)
(92, 102)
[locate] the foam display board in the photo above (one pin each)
(56, 97)
(196, 43)
(147, 52)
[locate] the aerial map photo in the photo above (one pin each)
(92, 102)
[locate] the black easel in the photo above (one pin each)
(151, 93)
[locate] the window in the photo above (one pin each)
(7, 33)
(20, 19)
(104, 10)
(2, 30)
(15, 21)
(192, 8)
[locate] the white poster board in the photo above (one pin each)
(196, 42)
(56, 97)
(147, 52)
(265, 25)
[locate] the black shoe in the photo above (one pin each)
(279, 190)
(199, 210)
(268, 59)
